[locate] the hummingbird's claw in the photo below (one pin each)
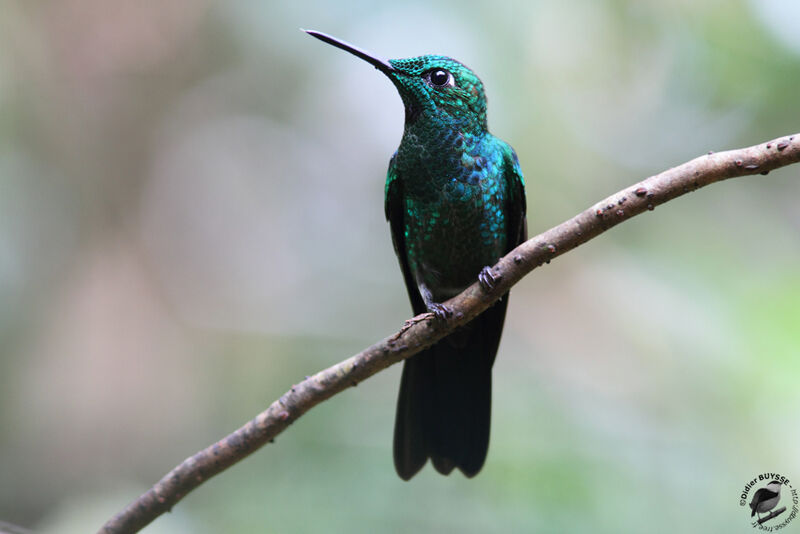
(440, 311)
(487, 279)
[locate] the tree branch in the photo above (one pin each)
(424, 330)
(771, 515)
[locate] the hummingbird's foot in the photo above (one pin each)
(408, 324)
(411, 322)
(440, 311)
(487, 279)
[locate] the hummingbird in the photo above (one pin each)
(455, 203)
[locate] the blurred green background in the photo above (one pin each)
(191, 220)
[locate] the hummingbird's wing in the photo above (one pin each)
(516, 206)
(417, 386)
(394, 208)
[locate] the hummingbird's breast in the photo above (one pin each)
(455, 195)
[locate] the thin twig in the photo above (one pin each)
(423, 331)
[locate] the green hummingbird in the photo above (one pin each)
(455, 202)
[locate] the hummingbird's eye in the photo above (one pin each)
(440, 78)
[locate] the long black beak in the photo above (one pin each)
(381, 64)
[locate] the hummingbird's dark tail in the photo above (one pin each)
(445, 401)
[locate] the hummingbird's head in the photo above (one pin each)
(441, 87)
(438, 87)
